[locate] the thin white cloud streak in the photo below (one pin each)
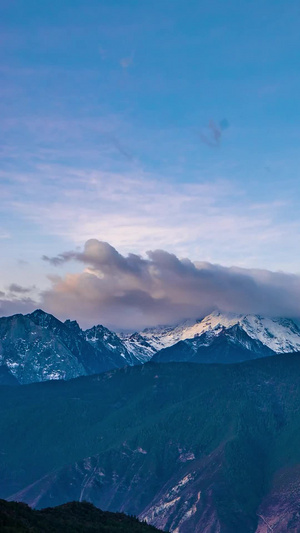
(137, 211)
(134, 210)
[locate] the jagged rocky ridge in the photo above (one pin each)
(39, 347)
(202, 448)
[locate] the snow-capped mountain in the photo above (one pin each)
(39, 347)
(281, 335)
(99, 337)
(231, 345)
(138, 346)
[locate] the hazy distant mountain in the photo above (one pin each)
(190, 448)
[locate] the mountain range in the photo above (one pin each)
(129, 422)
(39, 347)
(187, 447)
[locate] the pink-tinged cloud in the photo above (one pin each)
(133, 292)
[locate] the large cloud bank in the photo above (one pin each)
(134, 292)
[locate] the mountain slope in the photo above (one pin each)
(230, 345)
(72, 517)
(39, 347)
(6, 377)
(187, 447)
(137, 345)
(102, 338)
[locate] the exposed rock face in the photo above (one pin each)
(280, 509)
(185, 502)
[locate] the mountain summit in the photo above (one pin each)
(225, 338)
(281, 335)
(39, 347)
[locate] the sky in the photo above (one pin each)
(132, 127)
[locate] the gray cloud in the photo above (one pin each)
(22, 305)
(133, 292)
(18, 289)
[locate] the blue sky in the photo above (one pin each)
(162, 124)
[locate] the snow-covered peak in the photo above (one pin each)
(137, 345)
(278, 334)
(281, 335)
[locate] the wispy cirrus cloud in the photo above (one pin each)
(137, 211)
